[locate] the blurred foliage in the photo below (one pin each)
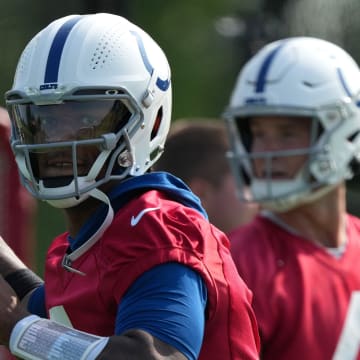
(203, 62)
(206, 42)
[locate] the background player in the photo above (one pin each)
(294, 121)
(195, 152)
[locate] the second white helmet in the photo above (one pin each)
(299, 77)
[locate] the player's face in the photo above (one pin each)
(59, 162)
(69, 122)
(272, 134)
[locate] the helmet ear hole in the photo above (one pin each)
(355, 166)
(157, 124)
(355, 162)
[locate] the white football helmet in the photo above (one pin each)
(300, 77)
(108, 81)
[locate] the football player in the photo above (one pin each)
(196, 152)
(294, 125)
(140, 273)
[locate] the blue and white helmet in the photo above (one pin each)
(300, 77)
(84, 63)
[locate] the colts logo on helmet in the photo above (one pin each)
(265, 68)
(161, 84)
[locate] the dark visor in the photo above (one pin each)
(68, 121)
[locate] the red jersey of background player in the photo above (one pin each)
(302, 292)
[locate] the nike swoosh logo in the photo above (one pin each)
(135, 220)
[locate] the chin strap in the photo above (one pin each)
(69, 258)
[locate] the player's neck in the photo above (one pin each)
(77, 216)
(322, 222)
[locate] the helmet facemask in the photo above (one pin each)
(86, 142)
(268, 172)
(321, 171)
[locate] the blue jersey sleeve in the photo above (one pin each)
(169, 302)
(36, 303)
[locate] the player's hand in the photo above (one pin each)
(11, 311)
(9, 262)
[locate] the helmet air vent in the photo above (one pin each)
(100, 55)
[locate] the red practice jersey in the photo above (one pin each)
(161, 231)
(301, 292)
